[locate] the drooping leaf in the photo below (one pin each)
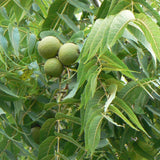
(111, 62)
(4, 50)
(96, 41)
(104, 142)
(90, 86)
(140, 102)
(109, 119)
(151, 32)
(143, 61)
(7, 94)
(18, 144)
(47, 129)
(47, 147)
(128, 91)
(89, 67)
(112, 94)
(90, 108)
(138, 34)
(115, 110)
(111, 80)
(31, 43)
(149, 9)
(94, 82)
(120, 103)
(14, 38)
(115, 27)
(148, 121)
(53, 20)
(93, 131)
(3, 42)
(92, 35)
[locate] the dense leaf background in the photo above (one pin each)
(106, 105)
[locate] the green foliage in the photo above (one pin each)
(106, 105)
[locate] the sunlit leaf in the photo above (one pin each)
(112, 94)
(96, 41)
(42, 7)
(149, 9)
(92, 35)
(151, 31)
(120, 103)
(115, 27)
(1, 111)
(109, 119)
(120, 114)
(112, 63)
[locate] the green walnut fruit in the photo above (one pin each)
(68, 53)
(48, 47)
(35, 133)
(53, 67)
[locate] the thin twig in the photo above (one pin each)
(58, 121)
